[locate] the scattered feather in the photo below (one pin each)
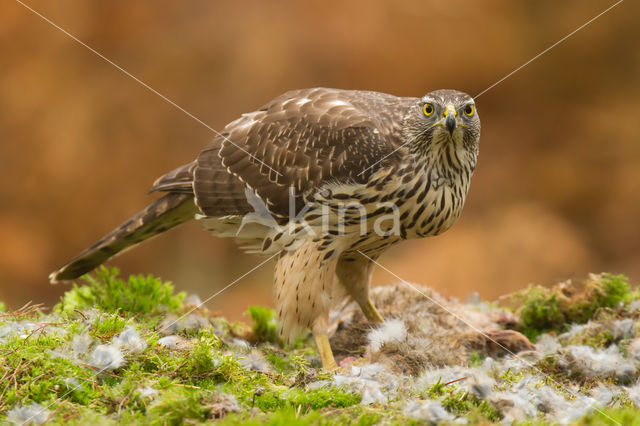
(479, 385)
(634, 306)
(28, 414)
(239, 343)
(432, 412)
(634, 349)
(106, 357)
(634, 393)
(16, 328)
(192, 322)
(514, 406)
(373, 382)
(147, 392)
(80, 344)
(193, 300)
(130, 341)
(392, 331)
(71, 382)
(622, 329)
(547, 344)
(171, 342)
(222, 404)
(254, 360)
(592, 362)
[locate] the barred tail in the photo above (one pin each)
(165, 213)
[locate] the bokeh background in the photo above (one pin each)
(556, 193)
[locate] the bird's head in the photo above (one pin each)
(442, 118)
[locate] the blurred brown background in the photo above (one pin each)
(556, 193)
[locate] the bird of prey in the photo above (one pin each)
(326, 179)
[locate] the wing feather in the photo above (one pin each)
(307, 138)
(302, 139)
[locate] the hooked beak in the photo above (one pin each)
(450, 121)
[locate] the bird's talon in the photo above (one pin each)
(371, 313)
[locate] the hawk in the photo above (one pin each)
(326, 179)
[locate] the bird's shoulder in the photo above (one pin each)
(334, 109)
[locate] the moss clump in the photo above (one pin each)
(601, 291)
(108, 292)
(540, 312)
(264, 324)
(595, 334)
(544, 309)
(475, 360)
(509, 377)
(105, 326)
(177, 406)
(461, 403)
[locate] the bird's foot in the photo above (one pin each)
(328, 362)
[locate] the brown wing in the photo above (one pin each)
(301, 139)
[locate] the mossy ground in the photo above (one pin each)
(555, 309)
(211, 374)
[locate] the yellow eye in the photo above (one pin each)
(469, 110)
(428, 109)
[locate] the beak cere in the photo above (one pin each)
(450, 123)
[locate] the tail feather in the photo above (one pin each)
(165, 213)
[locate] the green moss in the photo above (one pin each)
(264, 324)
(203, 357)
(284, 417)
(35, 372)
(43, 368)
(322, 398)
(177, 406)
(279, 360)
(628, 416)
(540, 312)
(595, 336)
(105, 326)
(605, 291)
(436, 390)
(108, 292)
(554, 309)
(475, 360)
(293, 416)
(507, 379)
(461, 403)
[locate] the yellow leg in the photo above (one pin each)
(328, 362)
(371, 313)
